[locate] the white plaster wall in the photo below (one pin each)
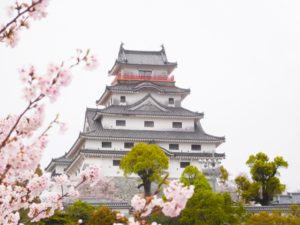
(106, 165)
(137, 123)
(174, 167)
(119, 145)
(186, 147)
(97, 144)
(135, 71)
(60, 169)
(107, 168)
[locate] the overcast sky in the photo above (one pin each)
(239, 58)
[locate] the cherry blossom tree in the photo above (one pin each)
(23, 139)
(22, 142)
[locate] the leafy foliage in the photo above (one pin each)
(206, 207)
(160, 218)
(104, 216)
(223, 175)
(209, 208)
(192, 176)
(265, 218)
(58, 218)
(265, 184)
(80, 210)
(148, 161)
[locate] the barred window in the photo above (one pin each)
(121, 123)
(184, 164)
(128, 144)
(177, 124)
(106, 144)
(173, 146)
(196, 147)
(148, 123)
(116, 162)
(122, 99)
(171, 101)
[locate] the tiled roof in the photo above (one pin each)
(169, 153)
(63, 160)
(147, 84)
(96, 130)
(148, 58)
(151, 111)
(143, 57)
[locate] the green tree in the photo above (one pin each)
(223, 178)
(58, 218)
(206, 207)
(160, 218)
(104, 216)
(265, 218)
(148, 161)
(209, 208)
(80, 210)
(265, 184)
(192, 176)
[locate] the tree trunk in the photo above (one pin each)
(147, 187)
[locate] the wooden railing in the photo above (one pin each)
(159, 78)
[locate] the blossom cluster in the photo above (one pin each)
(22, 144)
(173, 202)
(21, 14)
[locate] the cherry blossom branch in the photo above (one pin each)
(3, 143)
(4, 173)
(14, 20)
(54, 121)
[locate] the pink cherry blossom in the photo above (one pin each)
(91, 175)
(61, 180)
(39, 10)
(177, 196)
(37, 185)
(138, 203)
(91, 62)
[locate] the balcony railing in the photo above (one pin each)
(159, 78)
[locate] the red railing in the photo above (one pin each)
(160, 78)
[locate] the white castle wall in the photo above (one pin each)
(119, 145)
(137, 123)
(107, 168)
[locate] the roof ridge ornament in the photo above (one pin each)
(163, 53)
(122, 55)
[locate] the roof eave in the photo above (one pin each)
(103, 97)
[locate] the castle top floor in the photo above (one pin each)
(133, 65)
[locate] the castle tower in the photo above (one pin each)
(142, 104)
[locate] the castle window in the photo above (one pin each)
(116, 162)
(106, 144)
(145, 72)
(121, 123)
(177, 125)
(128, 144)
(173, 146)
(171, 101)
(196, 147)
(148, 123)
(122, 99)
(184, 164)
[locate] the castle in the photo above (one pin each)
(142, 104)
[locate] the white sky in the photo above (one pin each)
(239, 58)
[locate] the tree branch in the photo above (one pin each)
(14, 20)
